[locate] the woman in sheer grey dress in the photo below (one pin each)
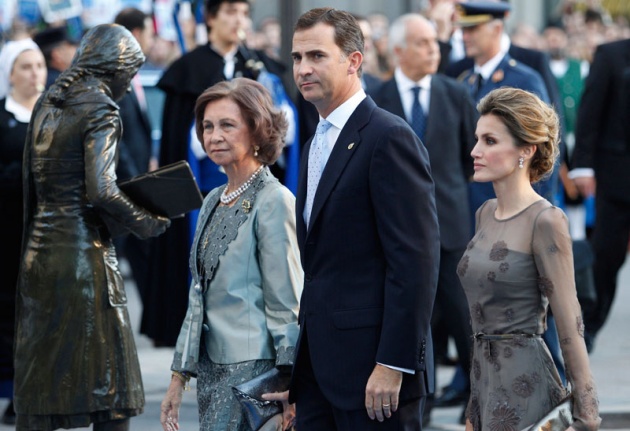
(246, 273)
(517, 265)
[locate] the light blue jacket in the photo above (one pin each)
(249, 309)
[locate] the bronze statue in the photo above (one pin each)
(75, 357)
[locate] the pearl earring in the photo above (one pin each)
(521, 160)
(256, 148)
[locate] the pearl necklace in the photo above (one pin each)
(226, 198)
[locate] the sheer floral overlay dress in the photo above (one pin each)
(512, 270)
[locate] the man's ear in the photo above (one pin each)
(137, 32)
(355, 59)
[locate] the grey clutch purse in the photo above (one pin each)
(256, 410)
(558, 419)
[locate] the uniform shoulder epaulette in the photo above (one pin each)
(463, 75)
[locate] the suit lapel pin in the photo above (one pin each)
(351, 146)
(498, 76)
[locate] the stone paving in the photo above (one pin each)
(610, 362)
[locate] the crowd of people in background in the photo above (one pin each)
(568, 44)
(585, 23)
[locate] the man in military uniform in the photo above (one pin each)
(482, 27)
(482, 24)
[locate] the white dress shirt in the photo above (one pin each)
(405, 85)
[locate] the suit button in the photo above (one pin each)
(197, 287)
(308, 277)
(206, 328)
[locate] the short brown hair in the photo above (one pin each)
(348, 34)
(267, 125)
(530, 121)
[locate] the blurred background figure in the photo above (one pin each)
(442, 14)
(570, 74)
(271, 33)
(136, 144)
(380, 30)
(414, 47)
(600, 167)
(370, 80)
(162, 54)
(22, 80)
(58, 48)
(526, 36)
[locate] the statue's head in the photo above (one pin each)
(111, 53)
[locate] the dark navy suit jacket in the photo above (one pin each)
(449, 139)
(603, 129)
(370, 258)
(136, 143)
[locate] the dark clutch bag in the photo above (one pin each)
(258, 411)
(558, 419)
(170, 191)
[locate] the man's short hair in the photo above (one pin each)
(131, 18)
(348, 34)
(212, 6)
(52, 37)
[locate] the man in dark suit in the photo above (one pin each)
(136, 144)
(370, 83)
(451, 120)
(600, 166)
(369, 244)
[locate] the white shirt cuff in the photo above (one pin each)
(404, 370)
(581, 172)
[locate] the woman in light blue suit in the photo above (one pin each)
(247, 279)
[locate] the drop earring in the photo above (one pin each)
(256, 148)
(521, 161)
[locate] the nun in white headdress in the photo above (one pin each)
(22, 79)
